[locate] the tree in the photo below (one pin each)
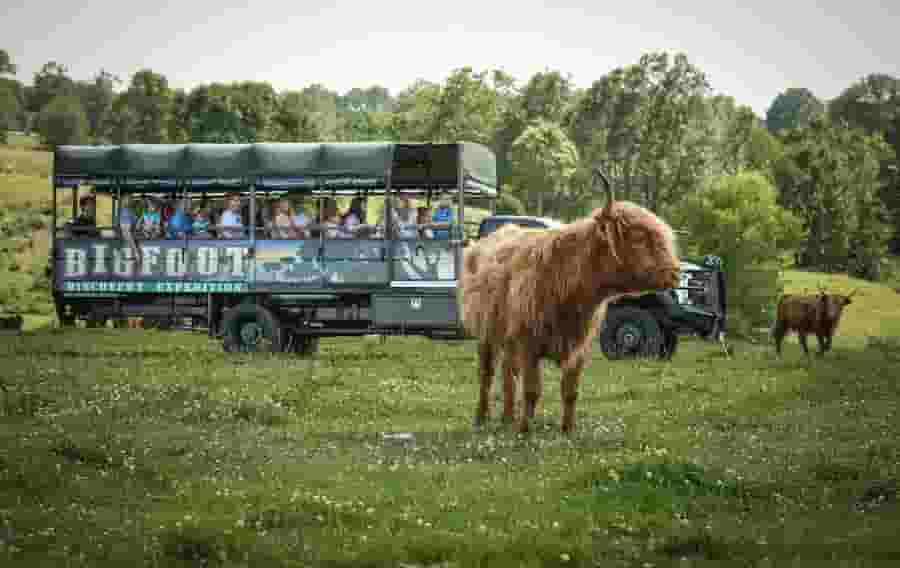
(219, 124)
(546, 96)
(97, 97)
(738, 218)
(63, 121)
(7, 67)
(149, 97)
(210, 114)
(646, 125)
(366, 113)
(873, 104)
(50, 82)
(9, 111)
(371, 99)
(179, 125)
(545, 161)
(121, 122)
(509, 204)
(829, 177)
(255, 103)
(793, 108)
(467, 106)
(306, 116)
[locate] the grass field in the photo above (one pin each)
(147, 448)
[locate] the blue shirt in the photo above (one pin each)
(443, 215)
(127, 217)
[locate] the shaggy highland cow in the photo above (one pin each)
(818, 314)
(533, 295)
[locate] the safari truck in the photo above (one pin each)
(649, 324)
(246, 240)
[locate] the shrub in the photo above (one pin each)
(509, 204)
(737, 217)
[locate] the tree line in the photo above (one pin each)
(654, 125)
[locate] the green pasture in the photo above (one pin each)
(148, 448)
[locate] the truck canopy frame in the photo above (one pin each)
(327, 168)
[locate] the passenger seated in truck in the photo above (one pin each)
(443, 219)
(231, 224)
(150, 222)
(180, 224)
(85, 224)
(330, 219)
(353, 220)
(127, 224)
(282, 222)
(423, 222)
(301, 221)
(201, 228)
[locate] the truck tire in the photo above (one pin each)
(629, 333)
(251, 328)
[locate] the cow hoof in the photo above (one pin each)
(478, 424)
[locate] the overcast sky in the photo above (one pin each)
(750, 53)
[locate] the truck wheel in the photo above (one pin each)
(249, 328)
(629, 333)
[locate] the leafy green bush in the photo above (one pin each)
(63, 121)
(509, 204)
(737, 217)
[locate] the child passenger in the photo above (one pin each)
(423, 220)
(201, 222)
(150, 222)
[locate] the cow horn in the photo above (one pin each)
(598, 173)
(854, 291)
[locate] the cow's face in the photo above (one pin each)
(643, 245)
(834, 304)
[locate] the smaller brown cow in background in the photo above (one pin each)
(817, 314)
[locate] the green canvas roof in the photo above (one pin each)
(303, 164)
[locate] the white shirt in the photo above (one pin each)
(405, 219)
(231, 219)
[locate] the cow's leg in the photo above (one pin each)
(510, 370)
(486, 360)
(571, 377)
(778, 334)
(803, 344)
(531, 386)
(823, 344)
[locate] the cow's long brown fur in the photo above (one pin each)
(817, 315)
(530, 295)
